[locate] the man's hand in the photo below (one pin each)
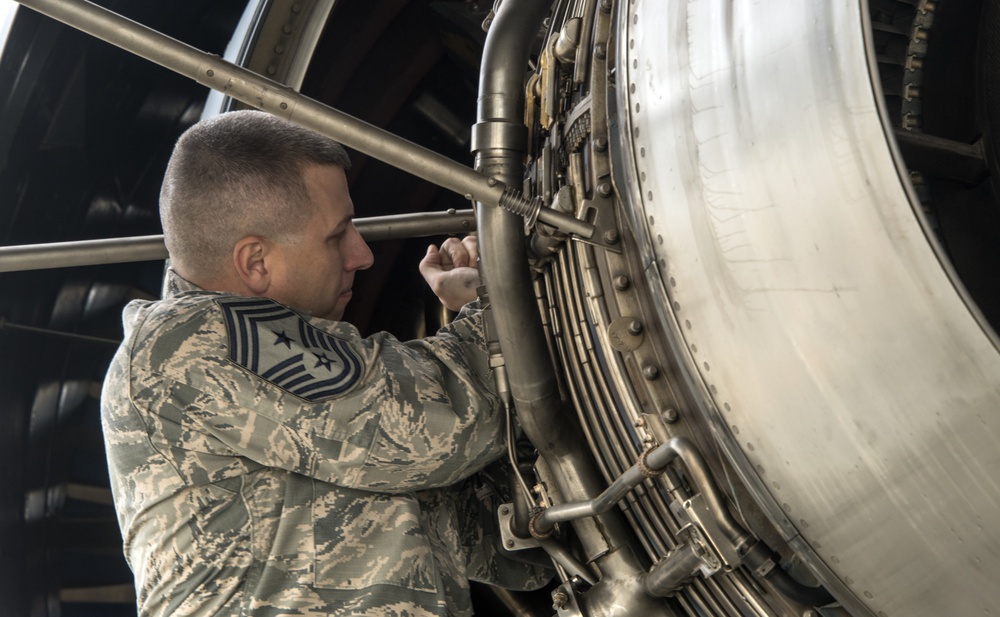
(451, 271)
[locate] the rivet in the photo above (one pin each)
(606, 5)
(621, 282)
(601, 144)
(601, 51)
(210, 73)
(604, 189)
(650, 372)
(510, 544)
(634, 327)
(283, 106)
(492, 181)
(504, 510)
(671, 416)
(611, 236)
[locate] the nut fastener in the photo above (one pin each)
(559, 599)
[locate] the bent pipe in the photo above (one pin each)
(760, 555)
(500, 145)
(655, 461)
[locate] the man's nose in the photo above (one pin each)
(360, 256)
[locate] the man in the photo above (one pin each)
(265, 458)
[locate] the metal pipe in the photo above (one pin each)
(275, 98)
(151, 248)
(499, 142)
(657, 460)
(671, 572)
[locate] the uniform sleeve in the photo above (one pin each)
(249, 378)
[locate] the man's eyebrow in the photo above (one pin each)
(342, 223)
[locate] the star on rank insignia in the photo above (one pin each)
(281, 347)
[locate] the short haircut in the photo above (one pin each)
(234, 175)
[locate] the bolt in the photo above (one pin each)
(650, 372)
(601, 144)
(671, 416)
(604, 189)
(559, 599)
(622, 282)
(634, 327)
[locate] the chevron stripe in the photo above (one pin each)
(284, 349)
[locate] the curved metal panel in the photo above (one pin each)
(855, 389)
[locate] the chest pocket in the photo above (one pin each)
(365, 539)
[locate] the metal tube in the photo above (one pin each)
(671, 572)
(151, 248)
(270, 96)
(657, 460)
(500, 146)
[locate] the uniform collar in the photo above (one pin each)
(174, 285)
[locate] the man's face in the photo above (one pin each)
(314, 271)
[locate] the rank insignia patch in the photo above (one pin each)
(281, 347)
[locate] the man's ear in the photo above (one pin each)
(249, 259)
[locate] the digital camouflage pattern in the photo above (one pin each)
(264, 463)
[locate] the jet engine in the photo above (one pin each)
(741, 259)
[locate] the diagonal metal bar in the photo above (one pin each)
(280, 100)
(151, 248)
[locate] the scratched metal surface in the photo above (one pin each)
(854, 386)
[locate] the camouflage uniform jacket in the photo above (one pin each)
(264, 463)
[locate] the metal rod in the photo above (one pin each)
(151, 248)
(657, 460)
(271, 96)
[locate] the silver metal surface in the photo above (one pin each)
(150, 248)
(845, 375)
